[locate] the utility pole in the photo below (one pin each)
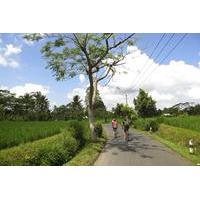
(126, 99)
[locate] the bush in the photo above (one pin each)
(54, 150)
(152, 124)
(80, 131)
(145, 124)
(98, 129)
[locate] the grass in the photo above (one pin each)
(177, 139)
(88, 155)
(188, 122)
(54, 150)
(13, 133)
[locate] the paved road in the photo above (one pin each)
(141, 150)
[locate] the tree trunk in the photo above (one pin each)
(92, 97)
(92, 123)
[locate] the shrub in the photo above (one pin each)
(54, 150)
(80, 131)
(152, 124)
(145, 124)
(98, 129)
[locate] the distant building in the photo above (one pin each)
(166, 114)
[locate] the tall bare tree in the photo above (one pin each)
(94, 54)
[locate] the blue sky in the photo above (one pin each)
(29, 66)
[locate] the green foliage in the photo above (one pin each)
(145, 105)
(122, 110)
(194, 110)
(145, 124)
(33, 106)
(70, 54)
(80, 131)
(88, 155)
(179, 136)
(152, 124)
(13, 133)
(72, 111)
(54, 150)
(188, 122)
(98, 129)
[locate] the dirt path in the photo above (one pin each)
(141, 150)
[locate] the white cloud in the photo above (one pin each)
(6, 56)
(52, 104)
(168, 84)
(13, 64)
(28, 42)
(77, 91)
(28, 88)
(199, 63)
(2, 87)
(82, 78)
(10, 49)
(3, 61)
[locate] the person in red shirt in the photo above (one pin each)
(114, 127)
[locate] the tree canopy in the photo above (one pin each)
(145, 105)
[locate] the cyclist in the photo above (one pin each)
(126, 126)
(114, 126)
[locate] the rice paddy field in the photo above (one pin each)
(13, 133)
(188, 122)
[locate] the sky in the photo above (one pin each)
(175, 80)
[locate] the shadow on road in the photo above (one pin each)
(136, 144)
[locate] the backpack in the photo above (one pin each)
(126, 123)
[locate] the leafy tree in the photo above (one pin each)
(145, 105)
(95, 55)
(122, 110)
(60, 113)
(75, 108)
(193, 110)
(7, 104)
(34, 106)
(41, 106)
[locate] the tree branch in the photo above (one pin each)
(122, 41)
(84, 51)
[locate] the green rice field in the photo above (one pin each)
(13, 133)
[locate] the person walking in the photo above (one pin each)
(126, 126)
(114, 127)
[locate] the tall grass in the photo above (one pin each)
(188, 122)
(13, 133)
(54, 150)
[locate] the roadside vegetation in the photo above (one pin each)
(178, 140)
(13, 133)
(184, 121)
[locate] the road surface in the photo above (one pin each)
(141, 151)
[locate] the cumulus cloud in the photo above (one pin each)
(2, 87)
(11, 49)
(6, 56)
(82, 78)
(77, 91)
(168, 84)
(28, 88)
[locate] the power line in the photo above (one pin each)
(145, 65)
(173, 48)
(159, 53)
(182, 38)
